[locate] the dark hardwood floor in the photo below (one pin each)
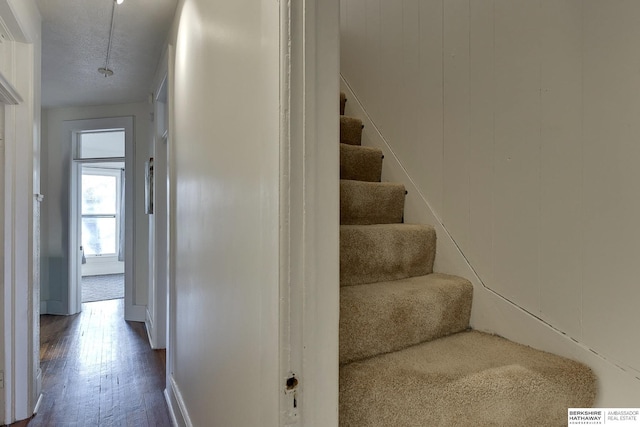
(99, 370)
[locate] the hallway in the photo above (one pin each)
(100, 370)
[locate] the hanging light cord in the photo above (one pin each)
(113, 13)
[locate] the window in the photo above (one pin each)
(101, 144)
(101, 197)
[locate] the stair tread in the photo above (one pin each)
(387, 316)
(373, 184)
(379, 252)
(360, 163)
(469, 378)
(398, 227)
(371, 202)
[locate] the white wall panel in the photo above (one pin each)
(561, 164)
(414, 148)
(226, 104)
(346, 38)
(517, 151)
(430, 86)
(611, 247)
(370, 58)
(481, 137)
(389, 119)
(396, 64)
(357, 18)
(455, 212)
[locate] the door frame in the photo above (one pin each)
(72, 129)
(159, 227)
(20, 210)
(309, 206)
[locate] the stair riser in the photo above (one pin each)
(350, 130)
(371, 203)
(379, 318)
(373, 253)
(360, 163)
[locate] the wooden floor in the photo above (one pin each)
(99, 370)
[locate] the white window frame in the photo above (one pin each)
(116, 174)
(78, 146)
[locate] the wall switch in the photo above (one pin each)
(1, 379)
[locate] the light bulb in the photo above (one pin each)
(119, 1)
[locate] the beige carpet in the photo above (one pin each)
(407, 356)
(381, 317)
(381, 252)
(371, 202)
(360, 163)
(467, 379)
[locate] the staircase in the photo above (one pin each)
(407, 354)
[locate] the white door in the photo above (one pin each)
(159, 255)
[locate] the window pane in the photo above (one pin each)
(97, 145)
(99, 236)
(99, 194)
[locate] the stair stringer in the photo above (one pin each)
(617, 385)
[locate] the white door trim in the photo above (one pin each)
(309, 219)
(171, 393)
(156, 318)
(71, 129)
(19, 206)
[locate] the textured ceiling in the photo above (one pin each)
(75, 37)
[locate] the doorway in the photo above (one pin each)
(101, 223)
(100, 212)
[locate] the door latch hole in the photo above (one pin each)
(292, 383)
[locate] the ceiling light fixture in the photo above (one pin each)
(106, 71)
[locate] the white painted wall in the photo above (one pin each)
(226, 164)
(254, 213)
(517, 121)
(56, 169)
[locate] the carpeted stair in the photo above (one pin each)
(407, 355)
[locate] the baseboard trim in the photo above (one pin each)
(38, 381)
(135, 313)
(172, 412)
(150, 331)
(38, 403)
(53, 307)
(175, 402)
(618, 385)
